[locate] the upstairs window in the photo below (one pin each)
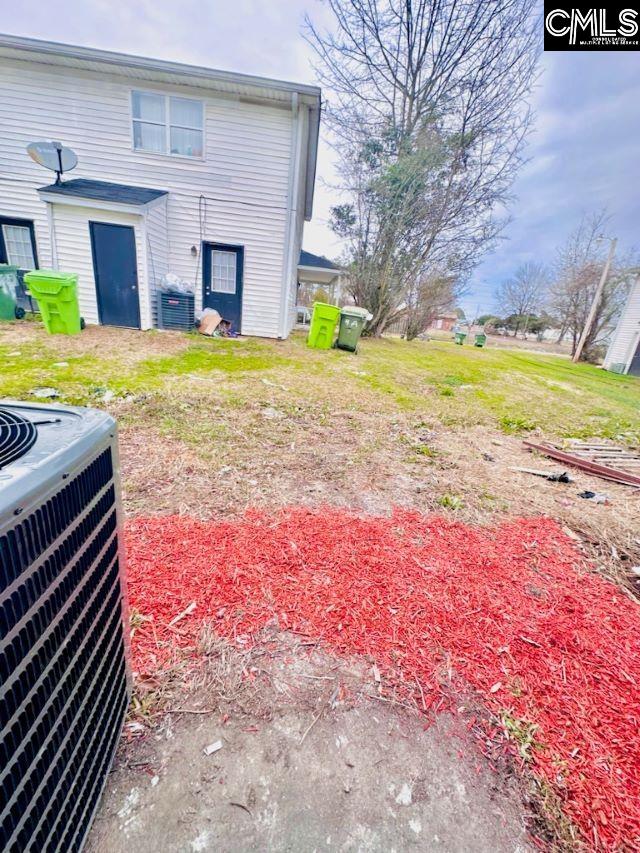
(165, 124)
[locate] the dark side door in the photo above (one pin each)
(115, 271)
(222, 274)
(634, 367)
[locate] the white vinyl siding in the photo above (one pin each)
(627, 334)
(18, 199)
(73, 243)
(236, 194)
(157, 240)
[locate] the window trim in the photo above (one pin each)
(167, 125)
(20, 223)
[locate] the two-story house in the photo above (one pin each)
(205, 174)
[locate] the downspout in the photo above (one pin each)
(290, 225)
(142, 264)
(52, 236)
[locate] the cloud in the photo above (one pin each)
(582, 157)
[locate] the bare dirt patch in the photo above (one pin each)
(129, 345)
(309, 759)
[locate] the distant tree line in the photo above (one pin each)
(525, 324)
(559, 295)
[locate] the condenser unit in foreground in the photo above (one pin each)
(64, 685)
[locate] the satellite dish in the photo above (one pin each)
(54, 156)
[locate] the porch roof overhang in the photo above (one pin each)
(318, 275)
(317, 269)
(102, 194)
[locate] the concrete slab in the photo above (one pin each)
(367, 776)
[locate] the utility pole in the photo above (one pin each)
(596, 301)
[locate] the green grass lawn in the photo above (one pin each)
(515, 390)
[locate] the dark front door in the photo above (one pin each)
(222, 281)
(116, 273)
(634, 367)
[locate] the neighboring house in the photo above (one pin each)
(315, 272)
(623, 355)
(445, 322)
(205, 174)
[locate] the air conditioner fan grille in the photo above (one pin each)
(17, 436)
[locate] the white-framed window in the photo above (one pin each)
(167, 124)
(223, 271)
(18, 245)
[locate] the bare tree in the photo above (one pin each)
(523, 295)
(577, 271)
(428, 297)
(428, 113)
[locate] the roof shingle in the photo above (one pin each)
(308, 259)
(104, 191)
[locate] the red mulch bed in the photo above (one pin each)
(507, 609)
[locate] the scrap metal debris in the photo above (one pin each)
(431, 600)
(552, 476)
(609, 461)
(212, 747)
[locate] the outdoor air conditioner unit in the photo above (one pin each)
(64, 675)
(176, 310)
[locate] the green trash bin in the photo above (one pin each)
(480, 340)
(9, 309)
(323, 325)
(460, 337)
(57, 297)
(352, 322)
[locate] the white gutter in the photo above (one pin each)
(144, 63)
(144, 305)
(290, 259)
(327, 270)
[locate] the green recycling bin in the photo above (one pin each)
(57, 297)
(460, 337)
(480, 340)
(352, 322)
(323, 325)
(9, 309)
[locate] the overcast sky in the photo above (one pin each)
(583, 152)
